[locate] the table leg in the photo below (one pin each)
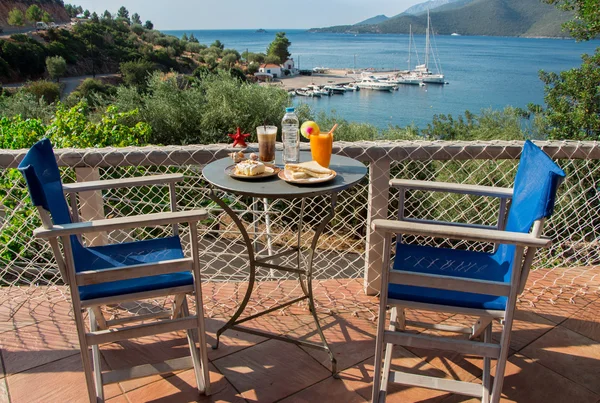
(309, 274)
(249, 246)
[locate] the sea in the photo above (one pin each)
(482, 72)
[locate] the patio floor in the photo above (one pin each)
(555, 353)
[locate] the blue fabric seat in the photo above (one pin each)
(130, 253)
(449, 262)
(534, 193)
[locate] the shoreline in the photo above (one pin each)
(333, 77)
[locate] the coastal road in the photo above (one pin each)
(69, 83)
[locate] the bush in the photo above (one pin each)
(56, 66)
(26, 105)
(49, 92)
(136, 73)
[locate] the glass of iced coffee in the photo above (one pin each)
(266, 143)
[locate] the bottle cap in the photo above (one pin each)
(288, 110)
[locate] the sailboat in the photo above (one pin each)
(422, 70)
(411, 77)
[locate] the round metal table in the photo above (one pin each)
(349, 172)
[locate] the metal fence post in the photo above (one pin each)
(379, 177)
(91, 204)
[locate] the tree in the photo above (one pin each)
(272, 59)
(279, 47)
(86, 14)
(149, 25)
(107, 15)
(95, 17)
(47, 18)
(192, 38)
(586, 23)
(217, 44)
(56, 66)
(573, 96)
(34, 13)
(184, 37)
(228, 60)
(123, 13)
(16, 17)
(135, 18)
(135, 73)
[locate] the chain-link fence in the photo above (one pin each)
(347, 253)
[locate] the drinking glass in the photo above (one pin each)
(266, 143)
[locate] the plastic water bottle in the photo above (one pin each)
(290, 136)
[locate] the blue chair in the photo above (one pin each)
(116, 273)
(479, 284)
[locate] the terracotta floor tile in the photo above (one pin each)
(38, 344)
(45, 303)
(58, 381)
(145, 350)
(570, 354)
(527, 381)
(118, 399)
(586, 321)
(351, 339)
(527, 327)
(359, 378)
(2, 372)
(329, 390)
(229, 342)
(182, 388)
(271, 370)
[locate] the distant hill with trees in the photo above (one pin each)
(528, 18)
(55, 8)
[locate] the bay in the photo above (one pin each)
(482, 72)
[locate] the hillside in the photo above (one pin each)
(374, 20)
(428, 5)
(54, 7)
(528, 18)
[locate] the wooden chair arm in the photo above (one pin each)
(461, 233)
(459, 188)
(120, 183)
(112, 224)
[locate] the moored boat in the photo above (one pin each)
(371, 83)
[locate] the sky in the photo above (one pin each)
(250, 14)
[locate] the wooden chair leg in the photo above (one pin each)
(487, 338)
(96, 360)
(199, 365)
(378, 353)
(387, 360)
(85, 355)
(501, 364)
(401, 318)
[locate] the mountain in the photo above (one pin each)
(374, 20)
(528, 18)
(428, 5)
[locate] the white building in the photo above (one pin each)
(270, 68)
(289, 64)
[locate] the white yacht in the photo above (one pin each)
(317, 90)
(371, 83)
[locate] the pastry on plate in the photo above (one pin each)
(250, 168)
(308, 169)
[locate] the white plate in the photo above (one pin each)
(270, 170)
(283, 175)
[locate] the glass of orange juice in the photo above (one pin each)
(320, 148)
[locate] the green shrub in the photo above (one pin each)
(136, 73)
(42, 89)
(26, 105)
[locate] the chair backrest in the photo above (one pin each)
(41, 173)
(534, 194)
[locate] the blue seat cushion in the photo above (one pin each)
(453, 263)
(126, 254)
